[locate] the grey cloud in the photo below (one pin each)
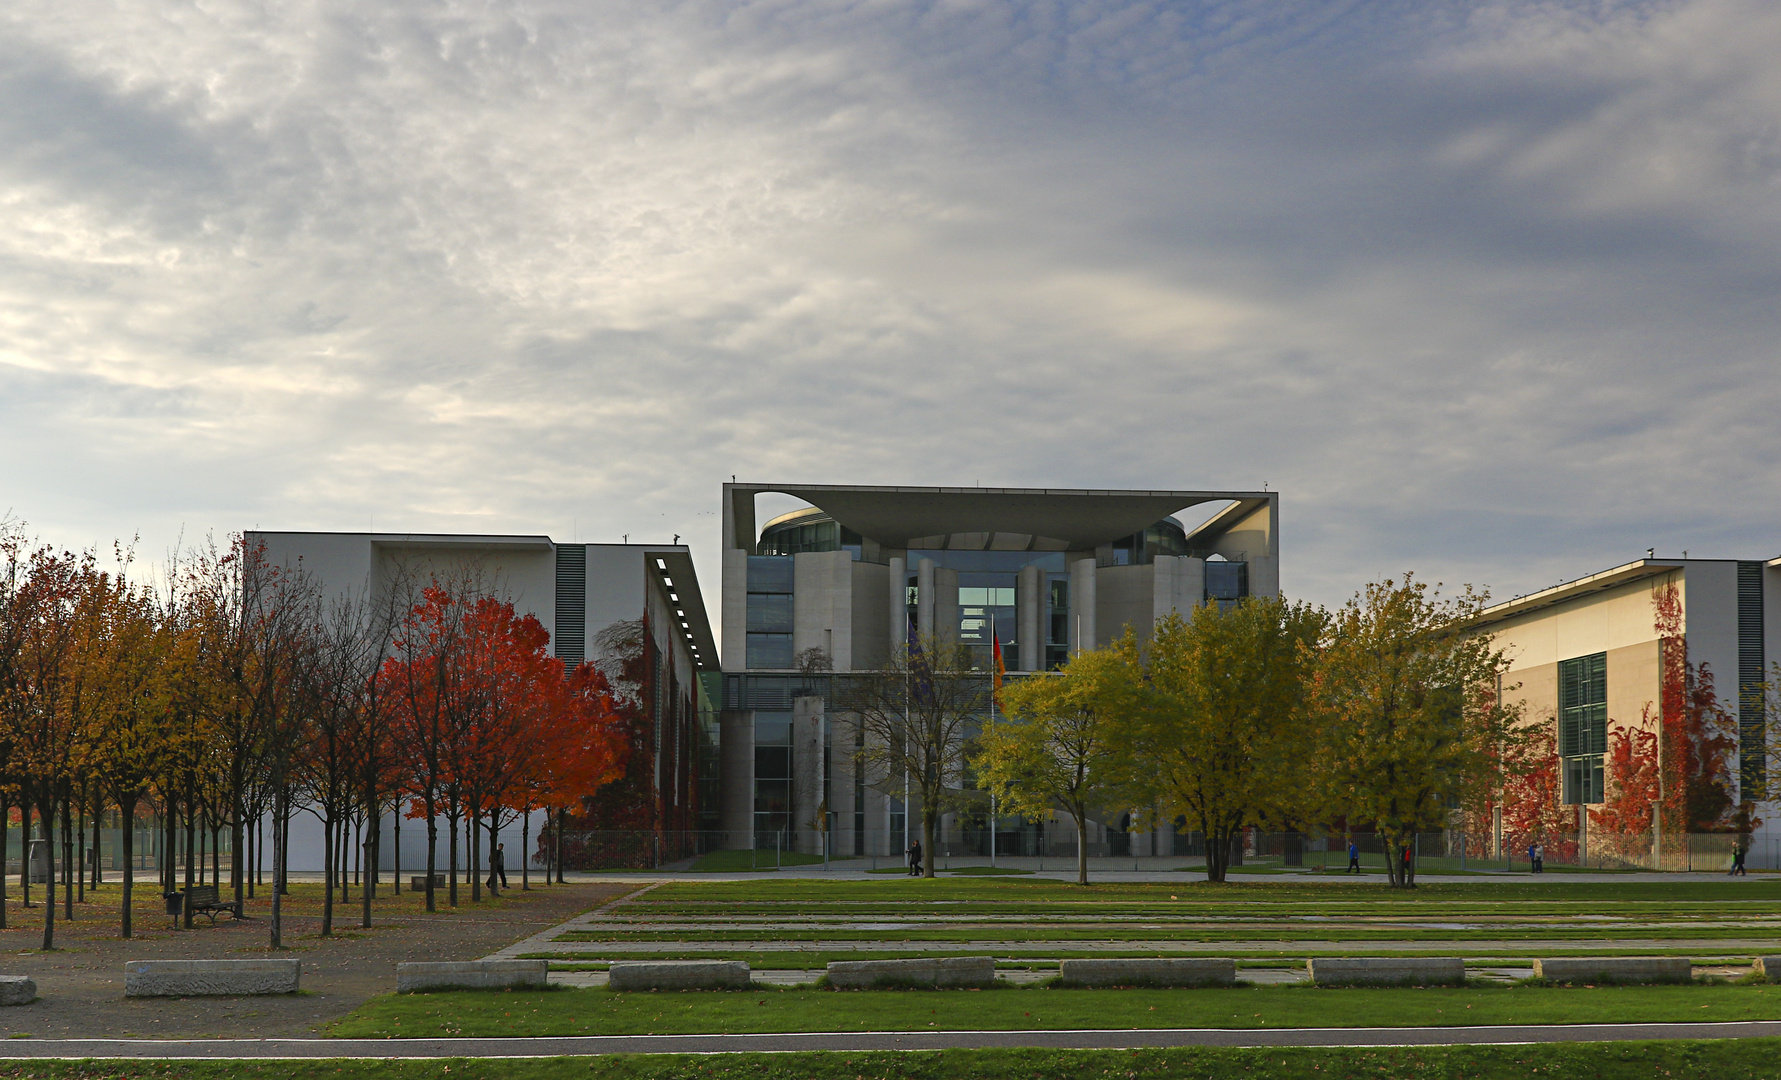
(1486, 291)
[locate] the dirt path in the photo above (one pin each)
(80, 985)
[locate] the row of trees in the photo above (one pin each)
(1385, 714)
(235, 693)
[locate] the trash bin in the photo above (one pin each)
(175, 903)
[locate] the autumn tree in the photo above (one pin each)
(1051, 747)
(1215, 726)
(912, 721)
(1407, 717)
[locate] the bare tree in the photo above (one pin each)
(913, 721)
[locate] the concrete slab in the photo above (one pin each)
(679, 975)
(196, 978)
(938, 972)
(17, 990)
(1196, 971)
(471, 975)
(1387, 970)
(1616, 969)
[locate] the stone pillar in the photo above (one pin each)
(899, 606)
(946, 604)
(735, 610)
(809, 773)
(736, 770)
(924, 599)
(1030, 611)
(1082, 606)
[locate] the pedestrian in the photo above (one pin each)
(915, 858)
(497, 869)
(1537, 856)
(1737, 861)
(1353, 857)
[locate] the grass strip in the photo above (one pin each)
(815, 958)
(1745, 1059)
(606, 1012)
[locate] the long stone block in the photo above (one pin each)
(935, 972)
(1148, 972)
(1764, 963)
(192, 978)
(1388, 970)
(472, 975)
(1616, 969)
(679, 975)
(17, 990)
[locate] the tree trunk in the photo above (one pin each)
(1081, 849)
(69, 876)
(5, 843)
(432, 850)
(473, 836)
(525, 850)
(329, 859)
(126, 813)
(238, 862)
(451, 820)
(278, 858)
(191, 843)
(373, 858)
(47, 812)
(1218, 849)
(80, 847)
(928, 820)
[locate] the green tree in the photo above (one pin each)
(1407, 712)
(1213, 722)
(1050, 749)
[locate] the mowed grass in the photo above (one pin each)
(606, 1012)
(1745, 1059)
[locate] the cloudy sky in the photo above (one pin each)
(1487, 290)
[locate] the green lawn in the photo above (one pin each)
(731, 862)
(605, 1012)
(809, 959)
(1747, 1059)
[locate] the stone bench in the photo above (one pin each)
(472, 975)
(1616, 969)
(679, 975)
(1764, 963)
(1388, 971)
(17, 990)
(192, 978)
(418, 883)
(937, 972)
(1148, 972)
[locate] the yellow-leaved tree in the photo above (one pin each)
(1050, 749)
(1407, 712)
(1212, 723)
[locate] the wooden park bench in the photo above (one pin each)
(204, 900)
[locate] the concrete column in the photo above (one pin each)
(809, 773)
(1030, 611)
(1082, 606)
(734, 610)
(841, 764)
(736, 769)
(899, 605)
(924, 599)
(946, 604)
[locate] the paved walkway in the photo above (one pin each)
(861, 1041)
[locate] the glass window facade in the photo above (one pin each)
(769, 611)
(1226, 582)
(1583, 725)
(772, 776)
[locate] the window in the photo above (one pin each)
(772, 776)
(770, 603)
(1583, 725)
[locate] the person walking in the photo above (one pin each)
(1353, 857)
(915, 858)
(1537, 855)
(1737, 861)
(497, 869)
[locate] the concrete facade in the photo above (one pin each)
(1048, 573)
(577, 592)
(1730, 628)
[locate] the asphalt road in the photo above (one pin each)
(859, 1041)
